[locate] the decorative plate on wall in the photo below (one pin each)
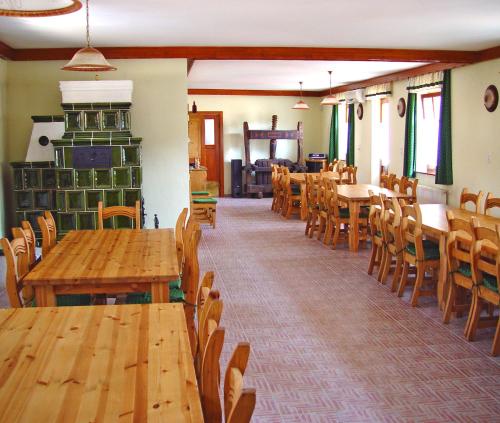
(401, 107)
(491, 98)
(359, 111)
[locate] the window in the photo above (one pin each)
(343, 113)
(428, 111)
(209, 131)
(380, 131)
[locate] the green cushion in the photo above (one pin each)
(344, 212)
(295, 190)
(490, 282)
(200, 193)
(204, 201)
(465, 270)
(73, 300)
(175, 284)
(379, 234)
(176, 296)
(431, 250)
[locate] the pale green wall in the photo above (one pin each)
(475, 133)
(3, 142)
(158, 115)
(257, 111)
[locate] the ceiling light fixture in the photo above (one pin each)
(300, 105)
(88, 59)
(330, 99)
(38, 8)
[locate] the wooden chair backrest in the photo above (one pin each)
(333, 203)
(377, 210)
(239, 403)
(204, 312)
(133, 213)
(411, 228)
(384, 181)
(491, 202)
(459, 242)
(352, 172)
(17, 261)
(29, 233)
(204, 290)
(343, 175)
(310, 191)
(51, 223)
(470, 197)
(332, 167)
(209, 382)
(486, 252)
(391, 223)
(396, 184)
(48, 242)
(409, 186)
(179, 236)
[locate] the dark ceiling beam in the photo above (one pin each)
(6, 52)
(270, 93)
(190, 63)
(259, 53)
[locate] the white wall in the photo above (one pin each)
(257, 111)
(158, 116)
(475, 133)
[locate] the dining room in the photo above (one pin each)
(206, 216)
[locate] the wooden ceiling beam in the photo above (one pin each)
(287, 93)
(259, 53)
(190, 63)
(6, 52)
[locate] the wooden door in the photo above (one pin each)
(210, 145)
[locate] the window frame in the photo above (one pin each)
(423, 96)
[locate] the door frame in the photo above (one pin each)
(220, 155)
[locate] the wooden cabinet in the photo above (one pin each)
(195, 134)
(198, 179)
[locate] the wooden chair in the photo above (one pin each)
(386, 181)
(486, 277)
(49, 234)
(292, 197)
(352, 172)
(210, 347)
(180, 227)
(418, 252)
(239, 403)
(396, 184)
(280, 194)
(338, 218)
(490, 203)
(469, 197)
(312, 205)
(391, 230)
(27, 231)
(324, 194)
(17, 261)
(459, 257)
(51, 222)
(343, 175)
(332, 167)
(376, 232)
(133, 213)
(275, 185)
(409, 187)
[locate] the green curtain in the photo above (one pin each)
(350, 136)
(444, 167)
(333, 149)
(410, 152)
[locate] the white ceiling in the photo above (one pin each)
(285, 74)
(420, 24)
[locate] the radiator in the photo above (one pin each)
(431, 195)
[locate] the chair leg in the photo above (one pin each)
(450, 302)
(308, 223)
(336, 235)
(328, 232)
(373, 257)
(289, 209)
(387, 266)
(404, 279)
(382, 264)
(397, 273)
(418, 284)
(313, 223)
(473, 320)
(495, 349)
(322, 222)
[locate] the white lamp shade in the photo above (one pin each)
(88, 59)
(300, 105)
(329, 100)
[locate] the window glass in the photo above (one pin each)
(428, 111)
(209, 131)
(342, 130)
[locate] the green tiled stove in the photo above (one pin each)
(97, 159)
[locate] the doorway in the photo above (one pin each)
(206, 137)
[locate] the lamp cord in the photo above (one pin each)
(88, 29)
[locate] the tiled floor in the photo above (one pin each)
(329, 344)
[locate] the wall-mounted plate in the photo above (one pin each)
(491, 98)
(401, 107)
(359, 111)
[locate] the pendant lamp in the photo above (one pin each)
(38, 8)
(300, 105)
(88, 59)
(330, 99)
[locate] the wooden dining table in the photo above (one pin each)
(356, 196)
(435, 225)
(300, 179)
(127, 363)
(107, 262)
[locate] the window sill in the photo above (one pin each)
(427, 173)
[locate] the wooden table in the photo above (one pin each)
(435, 224)
(107, 262)
(127, 363)
(355, 196)
(300, 179)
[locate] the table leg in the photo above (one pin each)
(303, 202)
(159, 292)
(443, 272)
(44, 296)
(354, 226)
